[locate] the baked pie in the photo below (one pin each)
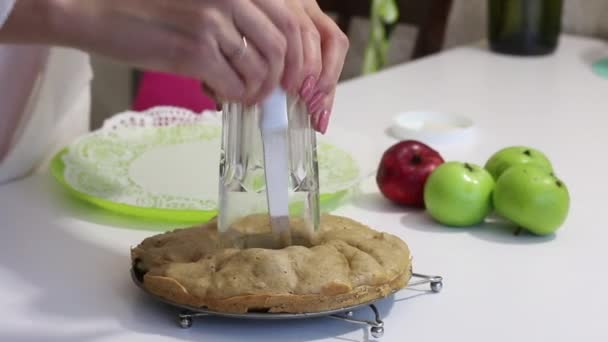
(345, 263)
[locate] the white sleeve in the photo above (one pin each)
(6, 6)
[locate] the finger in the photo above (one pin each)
(287, 20)
(325, 113)
(209, 92)
(321, 111)
(221, 77)
(317, 102)
(334, 47)
(244, 58)
(311, 43)
(314, 120)
(268, 40)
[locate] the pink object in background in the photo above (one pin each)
(161, 89)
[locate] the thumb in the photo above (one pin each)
(212, 95)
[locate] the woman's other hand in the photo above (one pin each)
(325, 64)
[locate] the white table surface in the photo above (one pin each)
(64, 265)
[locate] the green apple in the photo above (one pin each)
(533, 198)
(459, 194)
(500, 161)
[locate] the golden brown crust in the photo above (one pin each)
(347, 264)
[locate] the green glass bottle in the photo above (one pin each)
(524, 27)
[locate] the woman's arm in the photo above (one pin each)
(290, 42)
(30, 22)
(193, 38)
(19, 69)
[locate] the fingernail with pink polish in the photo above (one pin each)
(314, 120)
(324, 121)
(314, 105)
(307, 88)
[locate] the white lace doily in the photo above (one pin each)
(161, 117)
(167, 158)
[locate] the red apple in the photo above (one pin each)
(403, 171)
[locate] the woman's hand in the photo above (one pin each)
(315, 55)
(201, 38)
(325, 51)
(287, 42)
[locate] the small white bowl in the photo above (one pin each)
(433, 127)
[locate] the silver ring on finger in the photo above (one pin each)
(240, 53)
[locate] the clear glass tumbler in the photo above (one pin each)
(242, 192)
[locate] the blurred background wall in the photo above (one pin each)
(112, 87)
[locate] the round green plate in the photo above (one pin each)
(163, 173)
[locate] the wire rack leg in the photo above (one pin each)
(376, 325)
(435, 282)
(185, 318)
